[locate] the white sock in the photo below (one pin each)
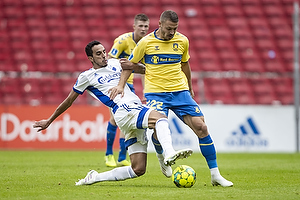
(164, 136)
(215, 172)
(117, 174)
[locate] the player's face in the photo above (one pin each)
(141, 28)
(167, 29)
(99, 56)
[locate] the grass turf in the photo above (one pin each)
(52, 175)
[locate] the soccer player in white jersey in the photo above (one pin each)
(122, 48)
(130, 115)
(168, 84)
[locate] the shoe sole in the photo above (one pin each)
(215, 183)
(181, 154)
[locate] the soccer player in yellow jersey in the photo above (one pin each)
(168, 85)
(122, 48)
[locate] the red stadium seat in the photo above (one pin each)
(233, 11)
(218, 90)
(252, 11)
(263, 91)
(273, 11)
(283, 88)
(232, 65)
(237, 23)
(241, 91)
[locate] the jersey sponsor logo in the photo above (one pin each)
(163, 58)
(155, 59)
(247, 135)
(108, 78)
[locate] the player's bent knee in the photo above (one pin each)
(139, 171)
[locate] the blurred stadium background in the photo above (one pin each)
(241, 50)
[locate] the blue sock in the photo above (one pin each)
(110, 138)
(208, 151)
(157, 145)
(123, 151)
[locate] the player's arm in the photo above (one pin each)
(126, 72)
(185, 67)
(119, 89)
(43, 124)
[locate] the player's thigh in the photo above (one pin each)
(153, 117)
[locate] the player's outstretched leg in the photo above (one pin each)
(116, 174)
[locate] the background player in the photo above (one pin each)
(168, 84)
(129, 113)
(122, 48)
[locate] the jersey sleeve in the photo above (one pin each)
(81, 84)
(138, 52)
(118, 47)
(186, 56)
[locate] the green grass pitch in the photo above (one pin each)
(52, 175)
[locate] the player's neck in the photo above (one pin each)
(136, 38)
(157, 33)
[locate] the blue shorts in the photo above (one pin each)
(181, 103)
(131, 87)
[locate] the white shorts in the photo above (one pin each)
(137, 148)
(132, 120)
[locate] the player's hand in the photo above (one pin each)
(126, 64)
(115, 91)
(42, 125)
(144, 100)
(192, 93)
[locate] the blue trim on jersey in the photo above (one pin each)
(77, 91)
(139, 123)
(103, 98)
(123, 55)
(160, 59)
(129, 142)
(131, 87)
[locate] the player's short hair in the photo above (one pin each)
(141, 17)
(169, 15)
(89, 46)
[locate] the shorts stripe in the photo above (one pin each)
(139, 123)
(130, 142)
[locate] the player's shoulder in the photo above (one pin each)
(113, 62)
(147, 38)
(86, 73)
(180, 35)
(124, 36)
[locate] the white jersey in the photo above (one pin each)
(129, 113)
(97, 82)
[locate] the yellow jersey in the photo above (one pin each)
(163, 62)
(122, 48)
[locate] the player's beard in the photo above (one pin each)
(100, 65)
